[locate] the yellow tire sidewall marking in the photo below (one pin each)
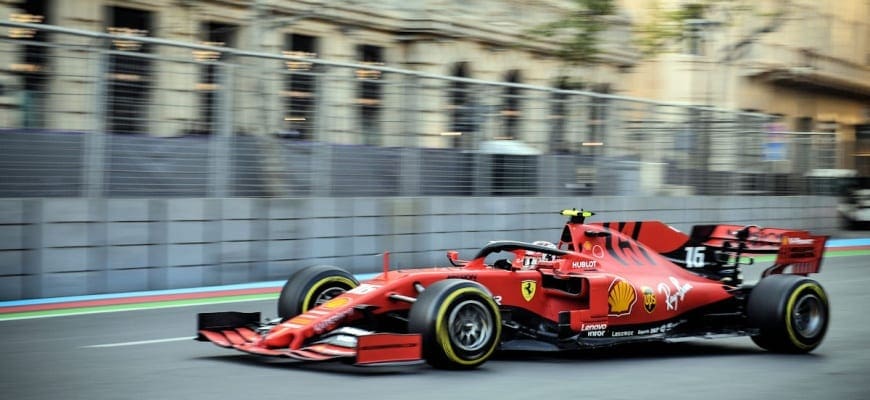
(443, 336)
(306, 303)
(792, 335)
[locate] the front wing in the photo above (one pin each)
(244, 332)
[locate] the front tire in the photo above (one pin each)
(460, 324)
(311, 287)
(791, 313)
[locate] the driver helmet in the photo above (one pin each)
(532, 258)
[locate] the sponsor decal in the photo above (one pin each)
(796, 241)
(468, 277)
(598, 251)
(335, 303)
(332, 321)
(801, 252)
(620, 298)
(584, 264)
(621, 333)
(674, 296)
(497, 299)
(364, 288)
(659, 329)
(760, 235)
(797, 248)
(528, 288)
(300, 320)
(587, 246)
(593, 327)
(649, 299)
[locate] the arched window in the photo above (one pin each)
(511, 104)
(369, 93)
(558, 118)
(461, 108)
(300, 87)
(597, 118)
(212, 75)
(128, 92)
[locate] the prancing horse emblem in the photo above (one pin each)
(528, 289)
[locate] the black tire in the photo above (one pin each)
(311, 287)
(791, 313)
(459, 321)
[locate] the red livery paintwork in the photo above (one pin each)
(601, 284)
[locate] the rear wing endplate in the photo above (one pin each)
(797, 251)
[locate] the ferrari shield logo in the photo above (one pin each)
(528, 289)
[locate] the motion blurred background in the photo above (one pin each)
(181, 143)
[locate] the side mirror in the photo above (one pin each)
(453, 257)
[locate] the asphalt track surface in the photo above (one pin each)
(149, 354)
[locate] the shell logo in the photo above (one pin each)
(621, 298)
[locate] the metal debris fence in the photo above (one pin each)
(88, 114)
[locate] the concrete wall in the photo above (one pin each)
(75, 246)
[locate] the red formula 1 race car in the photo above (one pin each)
(602, 284)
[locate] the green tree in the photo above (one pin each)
(578, 32)
(668, 26)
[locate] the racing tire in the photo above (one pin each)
(459, 322)
(791, 313)
(313, 286)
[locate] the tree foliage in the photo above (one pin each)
(669, 26)
(579, 31)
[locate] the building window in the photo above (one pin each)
(597, 122)
(861, 149)
(696, 25)
(129, 78)
(558, 99)
(461, 108)
(210, 76)
(300, 87)
(33, 66)
(510, 110)
(695, 43)
(804, 124)
(369, 93)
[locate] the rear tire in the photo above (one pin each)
(459, 321)
(311, 287)
(791, 313)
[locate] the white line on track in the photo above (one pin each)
(155, 341)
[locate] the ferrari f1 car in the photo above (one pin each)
(601, 284)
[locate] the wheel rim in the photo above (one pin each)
(328, 294)
(470, 326)
(808, 316)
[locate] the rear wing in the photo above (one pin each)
(797, 249)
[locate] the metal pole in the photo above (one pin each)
(220, 145)
(93, 159)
